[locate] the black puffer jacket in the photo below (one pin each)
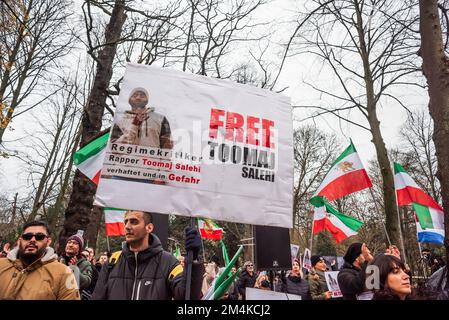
(152, 274)
(351, 281)
(246, 281)
(296, 285)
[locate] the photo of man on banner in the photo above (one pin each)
(142, 125)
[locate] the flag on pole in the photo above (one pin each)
(339, 225)
(222, 283)
(89, 159)
(346, 175)
(209, 229)
(435, 236)
(113, 219)
(225, 253)
(177, 253)
(408, 191)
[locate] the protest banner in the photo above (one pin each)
(259, 294)
(197, 146)
(332, 283)
(294, 249)
(306, 262)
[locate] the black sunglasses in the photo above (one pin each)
(37, 236)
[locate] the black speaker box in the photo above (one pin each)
(272, 250)
(160, 222)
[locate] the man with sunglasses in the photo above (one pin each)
(31, 270)
(247, 279)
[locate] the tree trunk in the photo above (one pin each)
(436, 70)
(391, 211)
(78, 214)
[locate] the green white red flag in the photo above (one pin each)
(346, 175)
(408, 191)
(209, 229)
(89, 159)
(113, 219)
(339, 225)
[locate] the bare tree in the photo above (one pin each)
(215, 28)
(436, 70)
(367, 46)
(419, 152)
(33, 36)
(79, 211)
(314, 152)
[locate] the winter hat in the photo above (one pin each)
(78, 238)
(353, 252)
(315, 259)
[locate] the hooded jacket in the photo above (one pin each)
(318, 285)
(83, 271)
(246, 281)
(296, 285)
(44, 279)
(151, 274)
(351, 281)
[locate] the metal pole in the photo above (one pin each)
(107, 243)
(400, 232)
(189, 265)
(377, 209)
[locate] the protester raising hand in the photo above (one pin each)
(394, 251)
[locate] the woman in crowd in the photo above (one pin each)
(394, 282)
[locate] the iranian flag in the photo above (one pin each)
(408, 191)
(89, 159)
(113, 219)
(429, 224)
(222, 283)
(339, 225)
(209, 229)
(346, 175)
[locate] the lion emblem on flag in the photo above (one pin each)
(208, 226)
(346, 166)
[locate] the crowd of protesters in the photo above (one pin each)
(142, 270)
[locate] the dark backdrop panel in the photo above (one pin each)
(272, 250)
(160, 222)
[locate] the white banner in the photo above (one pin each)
(198, 146)
(332, 283)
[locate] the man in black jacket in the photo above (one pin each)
(247, 279)
(351, 277)
(143, 270)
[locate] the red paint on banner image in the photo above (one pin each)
(235, 128)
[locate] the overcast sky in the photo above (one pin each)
(296, 70)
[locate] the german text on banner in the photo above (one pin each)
(198, 146)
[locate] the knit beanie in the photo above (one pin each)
(315, 259)
(78, 238)
(353, 252)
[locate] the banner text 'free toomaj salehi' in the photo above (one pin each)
(197, 146)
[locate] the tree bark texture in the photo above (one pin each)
(436, 70)
(78, 214)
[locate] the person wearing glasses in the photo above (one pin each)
(247, 279)
(31, 270)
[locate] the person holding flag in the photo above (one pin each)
(346, 175)
(351, 278)
(143, 270)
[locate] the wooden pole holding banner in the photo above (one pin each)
(189, 262)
